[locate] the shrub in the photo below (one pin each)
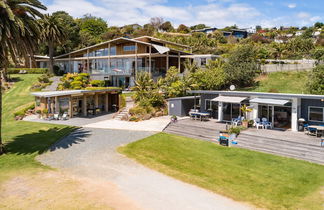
(137, 110)
(43, 79)
(58, 71)
(22, 112)
(97, 83)
(28, 70)
(122, 101)
(76, 85)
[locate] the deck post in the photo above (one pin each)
(150, 60)
(220, 111)
(84, 105)
(109, 58)
(106, 102)
(88, 62)
(167, 62)
(179, 62)
(57, 105)
(52, 105)
(96, 100)
(70, 107)
(294, 114)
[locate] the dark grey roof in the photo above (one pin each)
(181, 98)
(261, 94)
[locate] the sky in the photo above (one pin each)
(213, 13)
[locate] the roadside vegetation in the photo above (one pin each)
(24, 140)
(264, 180)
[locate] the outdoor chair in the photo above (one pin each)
(64, 116)
(312, 131)
(306, 128)
(266, 123)
(56, 117)
(322, 141)
(237, 121)
(258, 124)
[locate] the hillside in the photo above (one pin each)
(281, 82)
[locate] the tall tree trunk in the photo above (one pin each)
(51, 55)
(1, 144)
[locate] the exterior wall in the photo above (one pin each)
(203, 98)
(175, 107)
(305, 103)
(181, 107)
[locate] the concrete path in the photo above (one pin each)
(52, 87)
(153, 124)
(91, 153)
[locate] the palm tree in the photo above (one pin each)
(52, 33)
(19, 34)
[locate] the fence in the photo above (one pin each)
(267, 68)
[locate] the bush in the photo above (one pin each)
(137, 110)
(28, 70)
(22, 112)
(316, 80)
(76, 85)
(43, 79)
(122, 101)
(97, 83)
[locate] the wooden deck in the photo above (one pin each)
(284, 143)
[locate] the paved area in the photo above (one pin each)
(91, 152)
(76, 121)
(284, 143)
(52, 87)
(153, 124)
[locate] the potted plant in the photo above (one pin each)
(38, 112)
(245, 109)
(174, 119)
(45, 113)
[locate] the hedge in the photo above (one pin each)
(28, 70)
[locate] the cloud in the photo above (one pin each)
(218, 13)
(292, 5)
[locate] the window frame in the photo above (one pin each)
(309, 107)
(203, 60)
(210, 107)
(131, 48)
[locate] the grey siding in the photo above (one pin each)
(203, 98)
(305, 103)
(181, 106)
(175, 107)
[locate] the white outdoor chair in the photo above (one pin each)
(64, 116)
(266, 123)
(258, 124)
(56, 117)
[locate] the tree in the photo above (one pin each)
(19, 33)
(52, 33)
(91, 30)
(156, 22)
(198, 26)
(167, 26)
(71, 30)
(183, 29)
(316, 80)
(242, 67)
(318, 25)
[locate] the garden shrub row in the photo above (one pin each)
(28, 70)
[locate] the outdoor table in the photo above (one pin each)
(199, 115)
(319, 129)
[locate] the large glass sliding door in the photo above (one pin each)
(231, 111)
(280, 116)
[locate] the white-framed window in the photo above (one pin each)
(129, 48)
(203, 61)
(208, 104)
(316, 114)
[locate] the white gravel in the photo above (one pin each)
(91, 153)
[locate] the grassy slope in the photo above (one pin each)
(24, 140)
(264, 180)
(282, 82)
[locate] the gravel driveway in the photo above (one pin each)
(91, 152)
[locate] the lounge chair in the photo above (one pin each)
(258, 124)
(64, 116)
(56, 117)
(266, 123)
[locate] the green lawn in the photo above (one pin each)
(263, 180)
(281, 82)
(24, 140)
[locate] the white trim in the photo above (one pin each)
(309, 107)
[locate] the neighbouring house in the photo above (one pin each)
(237, 33)
(120, 59)
(77, 102)
(282, 109)
(205, 30)
(202, 59)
